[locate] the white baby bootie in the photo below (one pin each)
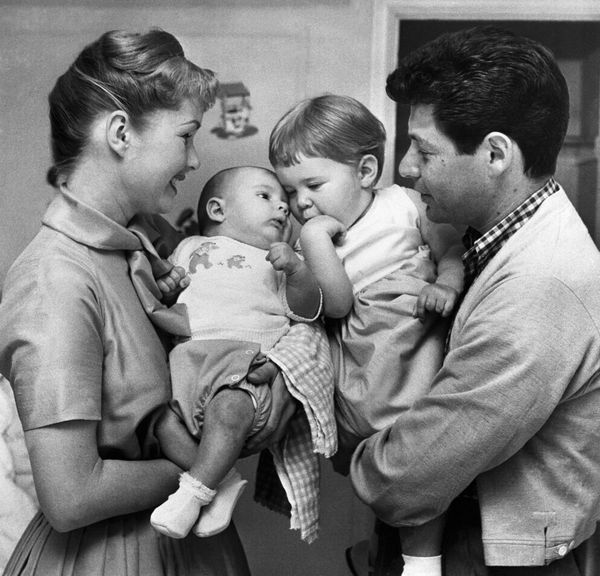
(215, 517)
(177, 515)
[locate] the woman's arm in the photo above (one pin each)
(76, 487)
(317, 238)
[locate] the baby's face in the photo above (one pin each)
(321, 186)
(257, 209)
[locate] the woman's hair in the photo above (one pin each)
(486, 79)
(339, 128)
(133, 72)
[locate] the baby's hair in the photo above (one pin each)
(339, 128)
(215, 187)
(133, 72)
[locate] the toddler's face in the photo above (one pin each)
(320, 186)
(258, 210)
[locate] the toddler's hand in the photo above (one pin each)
(324, 224)
(283, 258)
(436, 298)
(173, 282)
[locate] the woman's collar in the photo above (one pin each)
(86, 225)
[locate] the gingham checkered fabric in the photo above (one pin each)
(482, 249)
(304, 358)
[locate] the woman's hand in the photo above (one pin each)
(282, 409)
(176, 443)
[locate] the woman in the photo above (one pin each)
(87, 367)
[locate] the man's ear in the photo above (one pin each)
(215, 209)
(368, 166)
(118, 131)
(500, 151)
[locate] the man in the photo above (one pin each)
(508, 439)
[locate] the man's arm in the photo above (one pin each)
(508, 369)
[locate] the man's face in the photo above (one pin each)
(452, 185)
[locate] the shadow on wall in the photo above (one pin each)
(344, 521)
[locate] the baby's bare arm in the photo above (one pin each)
(302, 290)
(317, 239)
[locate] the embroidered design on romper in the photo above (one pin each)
(202, 256)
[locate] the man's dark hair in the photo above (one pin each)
(487, 79)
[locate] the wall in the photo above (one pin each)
(282, 52)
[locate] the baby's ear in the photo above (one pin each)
(368, 167)
(215, 209)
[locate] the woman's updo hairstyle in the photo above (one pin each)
(133, 72)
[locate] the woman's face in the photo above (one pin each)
(159, 156)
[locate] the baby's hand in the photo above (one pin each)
(327, 224)
(173, 282)
(436, 298)
(283, 258)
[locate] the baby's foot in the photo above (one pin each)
(177, 515)
(215, 517)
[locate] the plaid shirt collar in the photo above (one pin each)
(482, 248)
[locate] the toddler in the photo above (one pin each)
(245, 284)
(382, 266)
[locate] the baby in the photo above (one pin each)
(245, 285)
(385, 269)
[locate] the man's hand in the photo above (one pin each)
(172, 283)
(282, 409)
(436, 298)
(283, 258)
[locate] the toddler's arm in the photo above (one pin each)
(446, 247)
(302, 290)
(317, 239)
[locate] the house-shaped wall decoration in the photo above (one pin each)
(235, 111)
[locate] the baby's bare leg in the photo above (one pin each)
(227, 422)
